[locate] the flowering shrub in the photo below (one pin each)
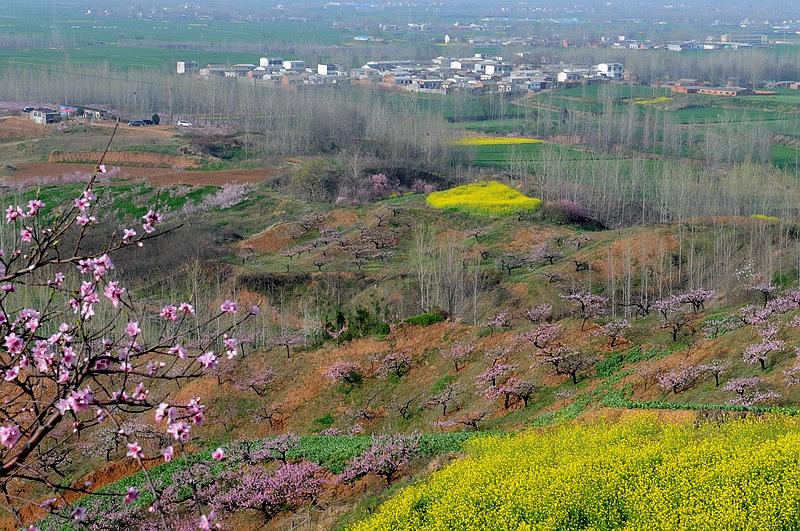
(344, 372)
(759, 353)
(395, 363)
(499, 320)
(603, 476)
(79, 349)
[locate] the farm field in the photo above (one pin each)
(639, 477)
(113, 57)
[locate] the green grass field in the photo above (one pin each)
(116, 57)
(786, 158)
(498, 155)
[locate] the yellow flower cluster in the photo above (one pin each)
(636, 474)
(764, 217)
(496, 141)
(653, 101)
(484, 198)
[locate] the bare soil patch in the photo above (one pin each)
(21, 128)
(205, 178)
(269, 240)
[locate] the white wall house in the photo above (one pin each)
(609, 70)
(294, 65)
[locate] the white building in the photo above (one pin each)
(294, 65)
(327, 70)
(267, 62)
(609, 70)
(185, 67)
(571, 76)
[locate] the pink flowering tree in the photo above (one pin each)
(670, 309)
(488, 380)
(278, 447)
(288, 339)
(716, 368)
(386, 457)
(539, 313)
(792, 375)
(614, 331)
(459, 354)
(446, 398)
(760, 353)
(344, 372)
(80, 352)
(680, 378)
(697, 298)
(543, 336)
(468, 420)
(545, 254)
(257, 381)
(499, 321)
(749, 391)
(290, 487)
(590, 305)
(567, 361)
(396, 363)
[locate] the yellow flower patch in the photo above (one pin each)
(635, 474)
(489, 198)
(763, 217)
(497, 141)
(652, 101)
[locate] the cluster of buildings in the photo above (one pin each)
(480, 73)
(722, 42)
(47, 115)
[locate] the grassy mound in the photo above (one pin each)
(638, 474)
(489, 198)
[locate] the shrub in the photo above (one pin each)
(426, 319)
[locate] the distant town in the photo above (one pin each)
(481, 73)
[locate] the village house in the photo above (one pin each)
(44, 115)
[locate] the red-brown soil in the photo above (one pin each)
(20, 128)
(270, 240)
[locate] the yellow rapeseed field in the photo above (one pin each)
(496, 141)
(637, 474)
(764, 217)
(484, 198)
(653, 101)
